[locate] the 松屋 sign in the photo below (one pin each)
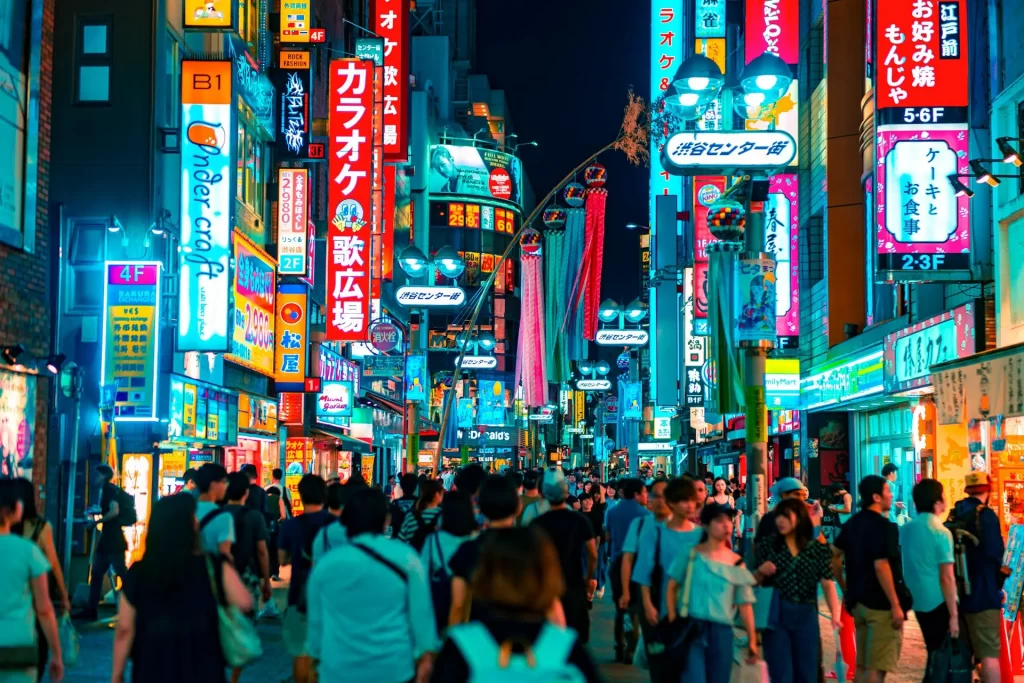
(923, 227)
(291, 336)
(911, 352)
(593, 384)
(206, 205)
(723, 152)
(430, 296)
(773, 26)
(131, 314)
(349, 197)
(478, 363)
(781, 229)
(621, 337)
(292, 216)
(391, 22)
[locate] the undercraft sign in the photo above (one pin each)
(205, 250)
(718, 152)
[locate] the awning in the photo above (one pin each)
(983, 386)
(347, 443)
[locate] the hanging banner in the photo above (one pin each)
(911, 352)
(294, 106)
(391, 22)
(252, 342)
(206, 205)
(131, 314)
(773, 26)
(782, 234)
(491, 410)
(349, 197)
(754, 292)
(292, 216)
(464, 418)
(706, 191)
(667, 41)
(291, 337)
(416, 379)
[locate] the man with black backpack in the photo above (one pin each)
(249, 550)
(404, 505)
(117, 510)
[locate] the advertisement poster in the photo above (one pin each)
(17, 424)
(416, 378)
(131, 305)
(707, 190)
(292, 219)
(773, 26)
(208, 13)
(206, 205)
(203, 413)
(252, 341)
(475, 171)
(136, 475)
(632, 401)
(491, 401)
(291, 331)
(298, 456)
(349, 198)
(464, 416)
(755, 300)
(366, 468)
(782, 234)
(334, 403)
(294, 105)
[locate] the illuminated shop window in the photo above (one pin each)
(250, 181)
(93, 59)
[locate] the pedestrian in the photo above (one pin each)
(541, 505)
(257, 499)
(619, 521)
(890, 472)
(191, 484)
(36, 529)
(874, 591)
(249, 552)
(216, 526)
(26, 607)
(517, 480)
(787, 488)
(519, 577)
(389, 488)
(448, 478)
(928, 567)
(167, 620)
(275, 503)
(500, 506)
(295, 547)
(423, 518)
(596, 516)
(711, 584)
(702, 487)
(111, 545)
(277, 479)
(396, 617)
(404, 503)
(530, 494)
(983, 605)
(720, 493)
(333, 534)
(794, 563)
(458, 524)
(576, 544)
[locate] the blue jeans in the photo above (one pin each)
(791, 647)
(710, 656)
(602, 565)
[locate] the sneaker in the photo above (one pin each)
(600, 593)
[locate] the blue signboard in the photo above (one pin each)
(416, 379)
(842, 382)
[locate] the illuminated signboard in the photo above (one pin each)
(388, 225)
(294, 106)
(334, 403)
(782, 383)
(593, 384)
(844, 381)
(477, 363)
(782, 234)
(291, 338)
(474, 216)
(202, 413)
(475, 171)
(252, 342)
(693, 152)
(773, 26)
(391, 22)
(430, 296)
(621, 337)
(667, 42)
(131, 339)
(292, 219)
(706, 191)
(206, 206)
(784, 115)
(709, 19)
(215, 14)
(416, 378)
(923, 227)
(349, 197)
(257, 415)
(911, 352)
(295, 21)
(695, 349)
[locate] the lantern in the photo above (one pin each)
(574, 195)
(727, 220)
(595, 175)
(554, 217)
(530, 243)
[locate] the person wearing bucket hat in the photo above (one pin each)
(787, 488)
(982, 607)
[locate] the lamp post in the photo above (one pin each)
(694, 87)
(594, 380)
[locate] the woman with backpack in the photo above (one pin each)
(519, 577)
(168, 621)
(458, 525)
(422, 519)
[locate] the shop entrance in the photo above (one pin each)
(886, 438)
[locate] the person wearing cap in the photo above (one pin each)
(576, 543)
(982, 606)
(787, 488)
(711, 581)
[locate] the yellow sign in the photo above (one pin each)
(367, 468)
(713, 49)
(579, 403)
(252, 341)
(291, 338)
(757, 429)
(208, 13)
(295, 15)
(257, 414)
(291, 59)
(137, 473)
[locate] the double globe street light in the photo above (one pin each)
(698, 82)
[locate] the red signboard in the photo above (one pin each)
(774, 26)
(388, 227)
(377, 203)
(922, 55)
(391, 22)
(706, 190)
(349, 198)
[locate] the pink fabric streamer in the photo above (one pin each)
(589, 289)
(531, 354)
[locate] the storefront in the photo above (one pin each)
(257, 438)
(202, 422)
(783, 444)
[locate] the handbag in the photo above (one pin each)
(239, 641)
(951, 663)
(68, 640)
(766, 607)
(670, 640)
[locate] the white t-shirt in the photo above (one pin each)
(219, 529)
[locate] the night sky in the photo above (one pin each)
(566, 66)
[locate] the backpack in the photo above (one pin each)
(399, 509)
(545, 660)
(966, 532)
(423, 530)
(242, 564)
(304, 560)
(440, 585)
(126, 514)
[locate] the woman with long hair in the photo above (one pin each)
(519, 577)
(720, 493)
(24, 598)
(422, 519)
(167, 619)
(39, 531)
(797, 563)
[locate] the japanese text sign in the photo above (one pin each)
(711, 151)
(782, 234)
(294, 106)
(206, 204)
(710, 18)
(215, 14)
(922, 224)
(430, 296)
(391, 22)
(754, 300)
(298, 454)
(911, 352)
(668, 37)
(295, 21)
(706, 191)
(694, 347)
(922, 54)
(843, 381)
(291, 334)
(252, 342)
(131, 313)
(773, 26)
(292, 218)
(349, 195)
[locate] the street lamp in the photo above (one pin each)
(698, 81)
(449, 263)
(413, 261)
(765, 80)
(610, 311)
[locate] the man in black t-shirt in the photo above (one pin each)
(111, 545)
(576, 543)
(873, 591)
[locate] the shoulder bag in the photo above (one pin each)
(239, 641)
(670, 640)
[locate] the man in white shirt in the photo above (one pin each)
(216, 527)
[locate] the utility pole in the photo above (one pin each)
(77, 381)
(412, 408)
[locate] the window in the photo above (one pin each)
(250, 162)
(249, 24)
(93, 60)
(85, 265)
(172, 81)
